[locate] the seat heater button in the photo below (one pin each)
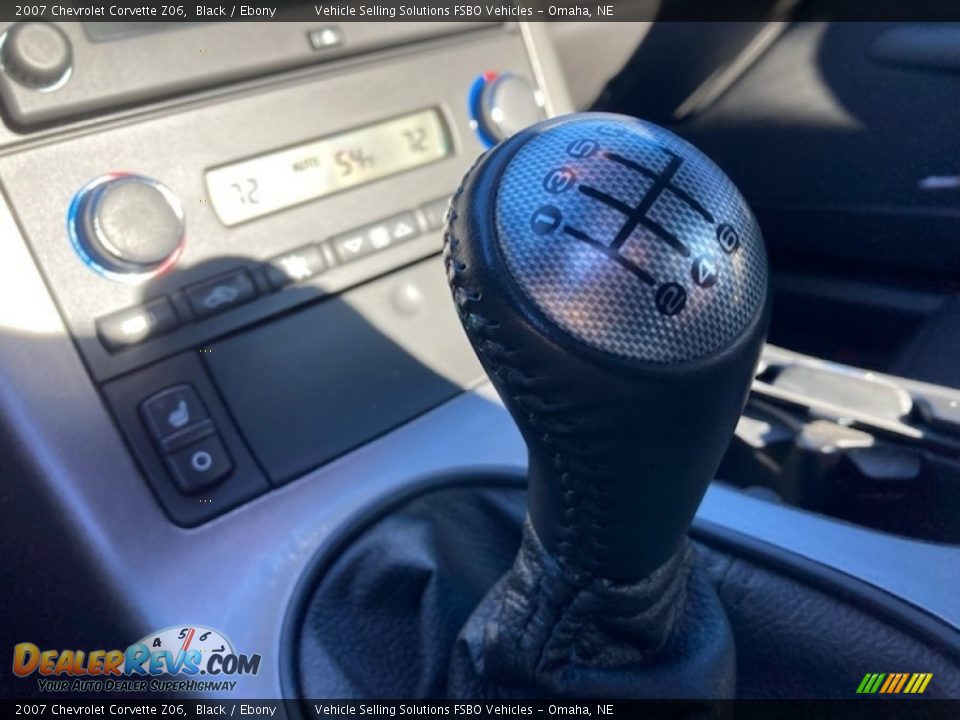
(172, 411)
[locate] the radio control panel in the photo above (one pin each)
(160, 232)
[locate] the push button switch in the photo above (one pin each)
(376, 237)
(221, 294)
(353, 245)
(200, 465)
(173, 411)
(295, 266)
(435, 212)
(402, 227)
(136, 324)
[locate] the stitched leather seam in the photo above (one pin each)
(501, 362)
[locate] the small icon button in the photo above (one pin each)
(221, 293)
(295, 266)
(325, 37)
(379, 236)
(402, 227)
(137, 324)
(201, 461)
(403, 230)
(435, 213)
(172, 410)
(200, 465)
(180, 416)
(352, 245)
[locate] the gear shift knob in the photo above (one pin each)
(613, 282)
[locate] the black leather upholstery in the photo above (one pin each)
(794, 640)
(381, 616)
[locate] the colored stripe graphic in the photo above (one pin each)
(894, 683)
(903, 680)
(891, 679)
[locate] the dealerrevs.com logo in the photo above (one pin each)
(176, 659)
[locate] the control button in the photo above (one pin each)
(352, 245)
(37, 54)
(221, 294)
(295, 266)
(198, 466)
(402, 227)
(502, 105)
(137, 324)
(435, 213)
(325, 37)
(127, 225)
(370, 239)
(172, 411)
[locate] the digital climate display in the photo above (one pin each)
(274, 181)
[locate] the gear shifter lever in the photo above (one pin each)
(613, 282)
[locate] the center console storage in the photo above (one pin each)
(874, 450)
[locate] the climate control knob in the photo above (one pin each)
(502, 105)
(127, 227)
(37, 55)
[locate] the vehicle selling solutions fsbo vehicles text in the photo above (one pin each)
(394, 11)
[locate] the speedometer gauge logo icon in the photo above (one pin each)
(197, 643)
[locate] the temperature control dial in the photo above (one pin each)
(37, 55)
(127, 227)
(502, 105)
